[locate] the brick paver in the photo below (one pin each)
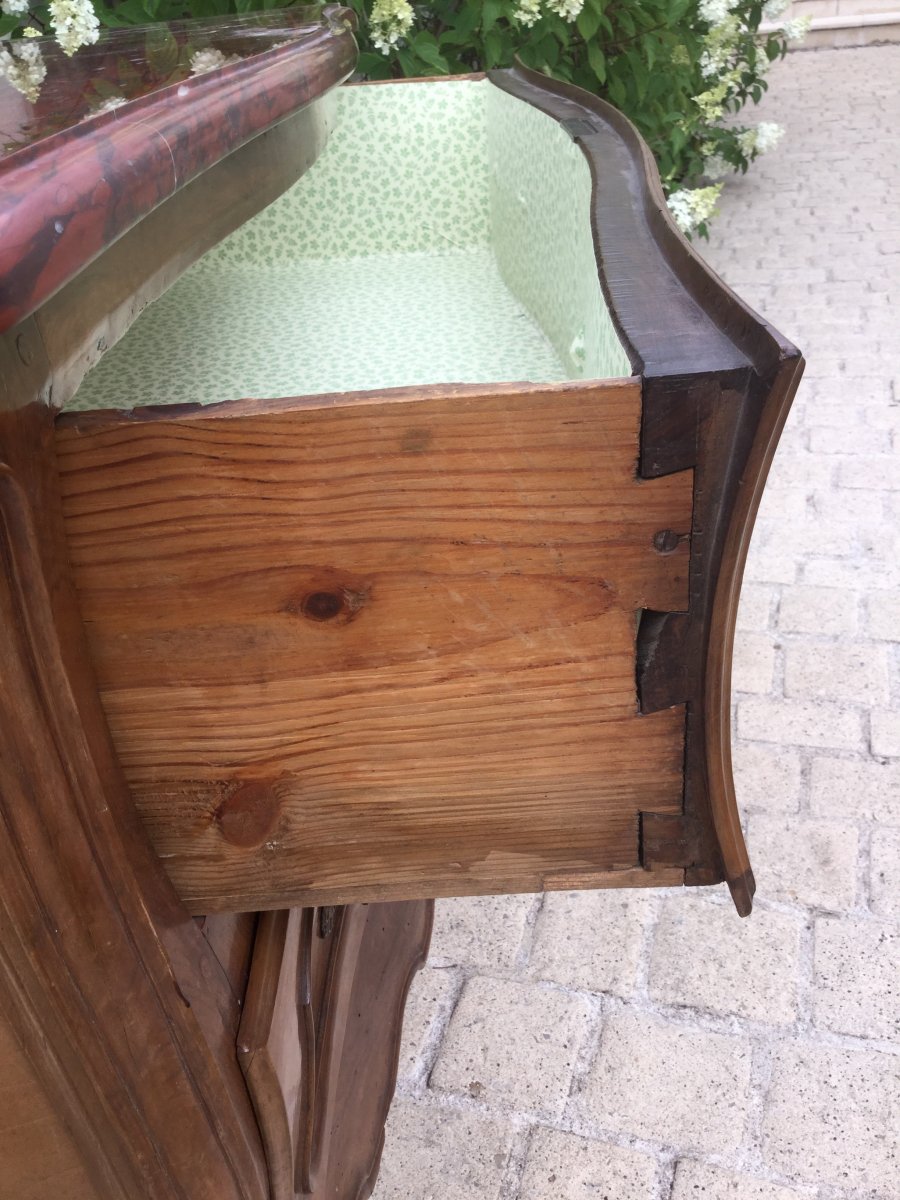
(541, 1038)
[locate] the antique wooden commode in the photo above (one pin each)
(312, 610)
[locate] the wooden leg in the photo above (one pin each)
(320, 1038)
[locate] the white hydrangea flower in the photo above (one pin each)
(31, 32)
(797, 29)
(108, 105)
(74, 23)
(768, 135)
(714, 12)
(21, 63)
(528, 12)
(773, 9)
(720, 47)
(746, 139)
(390, 21)
(690, 207)
(765, 136)
(15, 8)
(762, 65)
(711, 63)
(711, 103)
(716, 167)
(567, 9)
(207, 60)
(680, 207)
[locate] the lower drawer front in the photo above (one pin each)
(320, 1036)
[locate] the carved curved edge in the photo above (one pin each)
(396, 948)
(717, 384)
(319, 1042)
(115, 996)
(69, 196)
(720, 647)
(106, 1025)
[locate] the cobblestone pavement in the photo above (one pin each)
(624, 1046)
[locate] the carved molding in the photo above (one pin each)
(84, 980)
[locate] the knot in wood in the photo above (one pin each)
(322, 606)
(248, 815)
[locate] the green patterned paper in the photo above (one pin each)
(443, 236)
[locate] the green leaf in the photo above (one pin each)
(557, 26)
(588, 22)
(105, 89)
(425, 45)
(529, 55)
(456, 37)
(548, 49)
(374, 66)
(205, 8)
(408, 64)
(162, 49)
(491, 12)
(617, 92)
(130, 13)
(597, 59)
(493, 49)
(638, 72)
(466, 18)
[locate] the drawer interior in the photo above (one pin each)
(443, 236)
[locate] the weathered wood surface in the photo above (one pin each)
(383, 647)
(320, 1038)
(230, 937)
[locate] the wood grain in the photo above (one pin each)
(39, 1158)
(379, 645)
(84, 983)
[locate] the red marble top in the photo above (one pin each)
(73, 179)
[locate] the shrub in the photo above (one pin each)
(680, 69)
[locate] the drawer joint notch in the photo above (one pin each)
(670, 840)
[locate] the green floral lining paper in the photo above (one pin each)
(442, 237)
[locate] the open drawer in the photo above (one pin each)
(426, 584)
